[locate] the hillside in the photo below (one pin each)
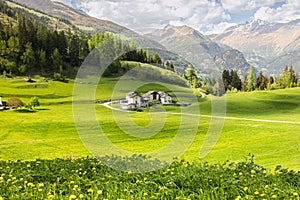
(208, 56)
(267, 46)
(86, 23)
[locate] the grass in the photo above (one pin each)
(51, 133)
(39, 14)
(90, 178)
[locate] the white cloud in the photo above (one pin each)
(218, 28)
(209, 16)
(246, 5)
(285, 13)
(150, 14)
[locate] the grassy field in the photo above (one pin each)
(89, 178)
(50, 132)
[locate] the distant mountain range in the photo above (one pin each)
(207, 56)
(267, 46)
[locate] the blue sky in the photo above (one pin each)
(206, 16)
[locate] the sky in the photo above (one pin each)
(206, 16)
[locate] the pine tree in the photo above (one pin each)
(251, 80)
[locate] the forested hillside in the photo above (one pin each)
(30, 45)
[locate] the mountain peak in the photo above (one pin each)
(184, 30)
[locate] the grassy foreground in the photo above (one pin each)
(50, 132)
(89, 178)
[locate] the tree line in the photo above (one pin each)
(230, 81)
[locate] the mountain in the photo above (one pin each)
(87, 23)
(207, 56)
(267, 46)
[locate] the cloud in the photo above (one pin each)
(285, 13)
(247, 5)
(144, 15)
(209, 16)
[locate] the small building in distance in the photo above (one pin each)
(134, 101)
(165, 98)
(152, 96)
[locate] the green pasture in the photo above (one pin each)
(50, 132)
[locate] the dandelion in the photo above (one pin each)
(256, 193)
(30, 184)
(274, 196)
(99, 192)
(241, 174)
(90, 190)
(253, 171)
(238, 198)
(1, 198)
(1, 179)
(129, 172)
(50, 196)
(40, 190)
(295, 194)
(41, 185)
(28, 166)
(75, 187)
(72, 196)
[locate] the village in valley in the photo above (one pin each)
(135, 101)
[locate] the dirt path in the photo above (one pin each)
(210, 116)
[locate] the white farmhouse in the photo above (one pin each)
(165, 98)
(152, 96)
(134, 98)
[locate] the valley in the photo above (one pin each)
(91, 109)
(50, 132)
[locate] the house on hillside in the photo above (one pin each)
(152, 96)
(133, 98)
(134, 101)
(165, 98)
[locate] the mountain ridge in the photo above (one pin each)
(267, 46)
(206, 55)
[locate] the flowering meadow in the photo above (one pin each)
(90, 178)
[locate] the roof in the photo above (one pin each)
(163, 94)
(149, 93)
(132, 94)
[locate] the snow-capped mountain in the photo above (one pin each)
(267, 46)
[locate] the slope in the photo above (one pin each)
(86, 23)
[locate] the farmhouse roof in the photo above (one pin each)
(132, 94)
(149, 93)
(163, 94)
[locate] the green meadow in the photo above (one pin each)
(49, 132)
